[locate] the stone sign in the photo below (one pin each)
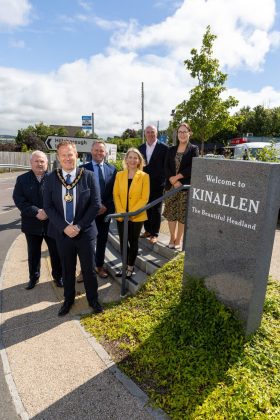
(232, 216)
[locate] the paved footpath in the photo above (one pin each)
(53, 368)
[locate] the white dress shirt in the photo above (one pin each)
(149, 150)
(64, 191)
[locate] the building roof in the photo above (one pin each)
(71, 129)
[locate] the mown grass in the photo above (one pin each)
(188, 352)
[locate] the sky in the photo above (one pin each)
(64, 59)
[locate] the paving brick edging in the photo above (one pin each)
(130, 386)
(20, 410)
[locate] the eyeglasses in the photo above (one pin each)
(183, 132)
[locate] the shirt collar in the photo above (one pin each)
(72, 173)
(153, 145)
(95, 163)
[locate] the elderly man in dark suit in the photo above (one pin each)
(154, 154)
(72, 201)
(28, 197)
(105, 175)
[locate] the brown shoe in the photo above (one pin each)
(153, 240)
(101, 272)
(79, 278)
(145, 235)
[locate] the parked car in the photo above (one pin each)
(249, 151)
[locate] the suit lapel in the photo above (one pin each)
(58, 186)
(145, 152)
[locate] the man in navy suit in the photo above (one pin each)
(28, 197)
(105, 177)
(72, 201)
(154, 154)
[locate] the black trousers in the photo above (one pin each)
(152, 225)
(34, 244)
(134, 229)
(83, 246)
(101, 240)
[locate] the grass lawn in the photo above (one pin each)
(188, 353)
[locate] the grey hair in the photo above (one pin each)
(38, 152)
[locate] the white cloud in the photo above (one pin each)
(267, 96)
(85, 5)
(109, 84)
(14, 13)
(243, 30)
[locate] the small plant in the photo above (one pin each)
(268, 154)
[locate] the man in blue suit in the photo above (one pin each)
(105, 177)
(72, 201)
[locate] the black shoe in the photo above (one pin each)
(65, 308)
(31, 284)
(59, 282)
(97, 308)
(119, 273)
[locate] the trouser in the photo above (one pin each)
(34, 244)
(101, 240)
(134, 229)
(69, 248)
(152, 225)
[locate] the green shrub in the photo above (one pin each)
(188, 352)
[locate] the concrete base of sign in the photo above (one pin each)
(232, 215)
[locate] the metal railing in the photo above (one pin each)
(126, 217)
(14, 166)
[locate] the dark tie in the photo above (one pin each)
(69, 204)
(101, 180)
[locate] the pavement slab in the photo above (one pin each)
(54, 369)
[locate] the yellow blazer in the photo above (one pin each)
(138, 194)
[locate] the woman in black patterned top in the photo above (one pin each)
(178, 165)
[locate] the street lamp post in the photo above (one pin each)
(174, 134)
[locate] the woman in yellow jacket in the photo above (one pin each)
(131, 192)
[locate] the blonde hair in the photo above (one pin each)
(141, 163)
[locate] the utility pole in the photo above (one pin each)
(92, 124)
(142, 109)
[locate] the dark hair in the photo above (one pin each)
(187, 127)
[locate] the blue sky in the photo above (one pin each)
(61, 59)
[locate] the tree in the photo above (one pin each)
(129, 133)
(205, 110)
(33, 137)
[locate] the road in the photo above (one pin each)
(9, 228)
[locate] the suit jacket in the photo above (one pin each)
(185, 166)
(87, 204)
(138, 195)
(109, 177)
(155, 168)
(28, 197)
